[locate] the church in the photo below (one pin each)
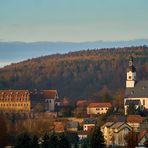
(136, 92)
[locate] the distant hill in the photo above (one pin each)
(12, 52)
(81, 74)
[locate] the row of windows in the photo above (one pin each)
(101, 108)
(16, 96)
(14, 104)
(19, 99)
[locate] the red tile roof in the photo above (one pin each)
(13, 95)
(134, 118)
(50, 94)
(100, 104)
(142, 134)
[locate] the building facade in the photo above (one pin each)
(98, 108)
(115, 132)
(15, 100)
(26, 101)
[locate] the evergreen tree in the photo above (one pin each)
(34, 142)
(45, 143)
(23, 141)
(96, 138)
(63, 141)
(53, 141)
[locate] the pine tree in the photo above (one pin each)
(23, 141)
(63, 141)
(53, 141)
(34, 142)
(96, 138)
(45, 143)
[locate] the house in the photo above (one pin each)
(98, 108)
(51, 96)
(72, 126)
(115, 132)
(46, 98)
(88, 124)
(120, 130)
(134, 121)
(136, 93)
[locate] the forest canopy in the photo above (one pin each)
(81, 74)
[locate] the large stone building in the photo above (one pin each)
(26, 101)
(136, 93)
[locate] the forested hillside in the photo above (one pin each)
(76, 75)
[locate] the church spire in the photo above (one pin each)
(131, 74)
(131, 61)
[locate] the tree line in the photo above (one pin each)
(82, 74)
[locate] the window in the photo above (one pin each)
(143, 102)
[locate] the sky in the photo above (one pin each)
(73, 20)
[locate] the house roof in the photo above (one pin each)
(142, 134)
(134, 118)
(72, 125)
(100, 104)
(89, 121)
(41, 95)
(140, 90)
(14, 94)
(107, 124)
(50, 94)
(132, 102)
(117, 125)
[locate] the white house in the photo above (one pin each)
(98, 108)
(51, 99)
(136, 91)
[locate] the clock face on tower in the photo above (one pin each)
(129, 77)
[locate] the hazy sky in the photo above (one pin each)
(73, 20)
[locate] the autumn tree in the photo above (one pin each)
(3, 131)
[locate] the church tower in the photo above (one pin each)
(131, 74)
